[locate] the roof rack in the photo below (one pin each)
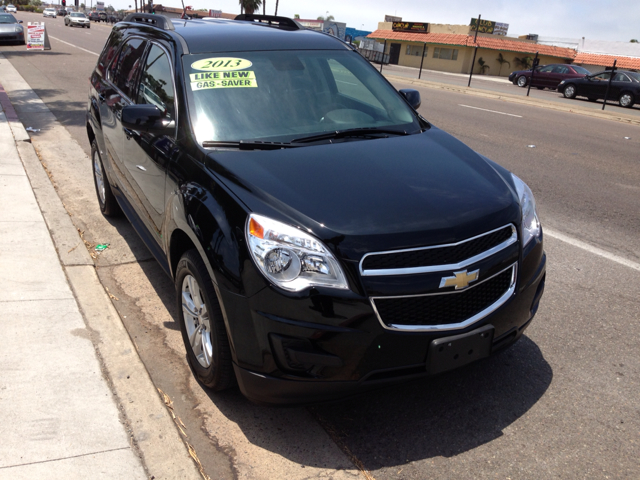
(271, 20)
(151, 19)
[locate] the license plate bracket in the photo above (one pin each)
(447, 353)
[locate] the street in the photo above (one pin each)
(563, 402)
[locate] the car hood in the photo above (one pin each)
(8, 27)
(373, 195)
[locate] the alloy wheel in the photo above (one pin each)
(197, 321)
(97, 173)
(625, 99)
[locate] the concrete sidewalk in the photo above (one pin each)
(64, 353)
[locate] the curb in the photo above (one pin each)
(154, 435)
(629, 120)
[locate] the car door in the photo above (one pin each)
(146, 154)
(541, 77)
(619, 82)
(557, 75)
(595, 86)
(115, 94)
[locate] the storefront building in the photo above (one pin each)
(450, 48)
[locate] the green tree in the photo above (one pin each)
(524, 62)
(328, 18)
(35, 3)
(483, 66)
(502, 61)
(296, 15)
(249, 6)
(82, 6)
(634, 40)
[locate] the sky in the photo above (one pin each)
(613, 20)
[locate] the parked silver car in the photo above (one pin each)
(10, 29)
(76, 19)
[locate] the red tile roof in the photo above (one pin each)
(607, 60)
(467, 41)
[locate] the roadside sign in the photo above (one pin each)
(35, 36)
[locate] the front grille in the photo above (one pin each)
(446, 309)
(440, 255)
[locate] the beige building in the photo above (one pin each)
(450, 48)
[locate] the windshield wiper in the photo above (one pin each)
(350, 132)
(245, 145)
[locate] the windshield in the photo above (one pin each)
(581, 70)
(7, 19)
(81, 15)
(280, 96)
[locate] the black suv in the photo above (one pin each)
(323, 237)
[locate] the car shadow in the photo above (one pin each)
(441, 416)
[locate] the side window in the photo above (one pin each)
(547, 69)
(561, 69)
(621, 77)
(109, 50)
(349, 85)
(602, 77)
(125, 67)
(156, 83)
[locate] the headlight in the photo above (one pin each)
(530, 222)
(561, 82)
(18, 29)
(290, 258)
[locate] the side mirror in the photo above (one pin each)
(412, 96)
(19, 21)
(146, 118)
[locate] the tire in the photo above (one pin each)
(522, 81)
(201, 323)
(626, 100)
(540, 88)
(570, 91)
(107, 201)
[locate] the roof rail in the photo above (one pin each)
(151, 19)
(271, 20)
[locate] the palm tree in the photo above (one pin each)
(483, 66)
(328, 18)
(249, 6)
(502, 61)
(524, 62)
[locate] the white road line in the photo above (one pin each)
(75, 46)
(591, 249)
(492, 111)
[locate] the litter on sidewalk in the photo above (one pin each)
(101, 247)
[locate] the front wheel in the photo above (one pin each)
(107, 201)
(626, 100)
(522, 81)
(201, 323)
(570, 91)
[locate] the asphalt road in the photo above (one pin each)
(563, 402)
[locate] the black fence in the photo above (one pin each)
(375, 57)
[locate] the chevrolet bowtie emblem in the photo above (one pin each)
(460, 279)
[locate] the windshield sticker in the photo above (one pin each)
(221, 64)
(208, 80)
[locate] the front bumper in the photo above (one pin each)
(292, 350)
